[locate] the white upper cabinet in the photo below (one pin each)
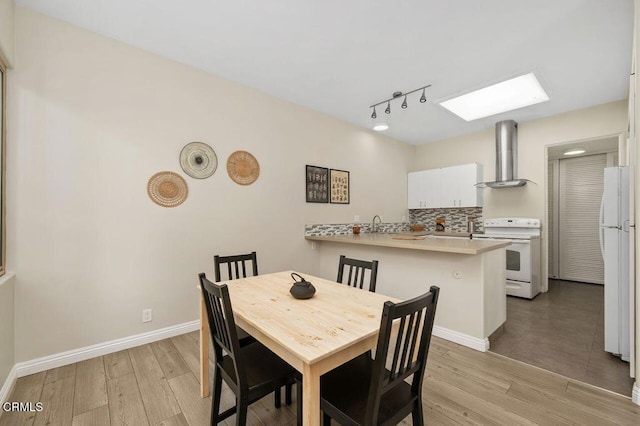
(423, 189)
(446, 187)
(415, 189)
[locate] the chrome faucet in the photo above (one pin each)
(374, 228)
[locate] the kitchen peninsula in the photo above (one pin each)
(470, 274)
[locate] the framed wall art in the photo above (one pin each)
(339, 186)
(317, 184)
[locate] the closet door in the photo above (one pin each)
(580, 192)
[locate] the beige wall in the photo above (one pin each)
(7, 48)
(7, 339)
(533, 138)
(91, 119)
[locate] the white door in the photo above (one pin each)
(580, 191)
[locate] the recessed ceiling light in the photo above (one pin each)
(380, 127)
(501, 97)
(574, 152)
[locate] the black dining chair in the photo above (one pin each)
(364, 391)
(238, 266)
(357, 270)
(251, 371)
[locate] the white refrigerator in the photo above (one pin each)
(614, 244)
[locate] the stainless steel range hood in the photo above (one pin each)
(506, 157)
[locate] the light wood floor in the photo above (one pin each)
(156, 384)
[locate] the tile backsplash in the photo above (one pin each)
(455, 221)
(347, 228)
(455, 218)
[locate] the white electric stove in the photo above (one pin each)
(523, 255)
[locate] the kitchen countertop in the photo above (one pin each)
(429, 243)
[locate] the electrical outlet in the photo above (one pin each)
(404, 218)
(146, 315)
(356, 218)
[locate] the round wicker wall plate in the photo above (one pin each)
(167, 189)
(198, 160)
(243, 168)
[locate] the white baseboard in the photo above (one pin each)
(635, 394)
(481, 345)
(7, 387)
(69, 357)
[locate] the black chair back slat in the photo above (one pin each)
(236, 266)
(231, 275)
(413, 331)
(356, 275)
(396, 350)
(414, 336)
(221, 327)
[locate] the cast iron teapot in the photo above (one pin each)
(302, 289)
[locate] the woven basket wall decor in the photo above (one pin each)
(198, 160)
(243, 168)
(167, 189)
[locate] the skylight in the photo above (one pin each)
(508, 95)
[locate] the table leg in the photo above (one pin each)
(310, 396)
(204, 350)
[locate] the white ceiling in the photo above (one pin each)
(338, 57)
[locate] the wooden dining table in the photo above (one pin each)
(314, 335)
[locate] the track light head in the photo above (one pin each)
(388, 110)
(374, 115)
(423, 98)
(404, 103)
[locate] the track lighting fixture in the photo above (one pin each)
(395, 95)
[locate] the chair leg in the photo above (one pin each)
(416, 414)
(299, 403)
(277, 396)
(215, 399)
(242, 405)
(287, 394)
(326, 419)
